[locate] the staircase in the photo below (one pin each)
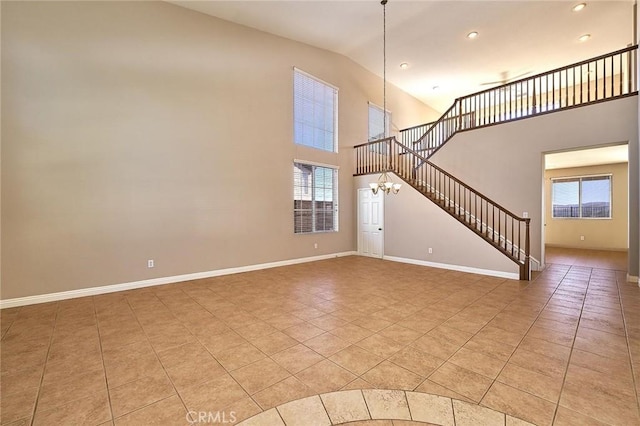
(599, 79)
(501, 228)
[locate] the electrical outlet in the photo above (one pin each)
(581, 237)
(525, 214)
(315, 245)
(150, 263)
(430, 250)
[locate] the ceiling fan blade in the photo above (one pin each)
(516, 77)
(505, 79)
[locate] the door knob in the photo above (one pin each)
(379, 229)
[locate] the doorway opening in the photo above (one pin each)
(586, 206)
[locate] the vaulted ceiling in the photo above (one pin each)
(514, 37)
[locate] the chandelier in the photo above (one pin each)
(385, 184)
(384, 181)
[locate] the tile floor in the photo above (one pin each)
(601, 259)
(562, 349)
(381, 407)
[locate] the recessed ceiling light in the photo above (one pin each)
(579, 7)
(584, 37)
(472, 35)
(404, 65)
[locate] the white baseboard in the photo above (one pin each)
(469, 269)
(533, 260)
(93, 291)
(633, 279)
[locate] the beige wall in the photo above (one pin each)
(605, 234)
(635, 186)
(505, 162)
(142, 130)
(413, 224)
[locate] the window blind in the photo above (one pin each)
(315, 198)
(314, 112)
(376, 122)
(581, 197)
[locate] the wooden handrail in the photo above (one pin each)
(499, 105)
(455, 179)
(417, 126)
(564, 68)
(433, 124)
(376, 142)
(504, 230)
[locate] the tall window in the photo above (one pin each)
(377, 119)
(581, 197)
(315, 198)
(314, 112)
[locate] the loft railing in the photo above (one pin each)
(495, 224)
(599, 79)
(412, 134)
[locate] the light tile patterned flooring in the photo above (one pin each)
(381, 407)
(599, 259)
(562, 349)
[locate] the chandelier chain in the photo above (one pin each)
(384, 66)
(384, 182)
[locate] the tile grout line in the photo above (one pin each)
(453, 411)
(467, 341)
(104, 367)
(366, 404)
(251, 363)
(277, 411)
(19, 308)
(505, 362)
(44, 367)
(157, 358)
(626, 335)
(522, 339)
(325, 407)
(566, 371)
(212, 355)
(404, 396)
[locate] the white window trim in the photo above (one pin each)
(337, 89)
(580, 177)
(389, 114)
(335, 191)
(336, 140)
(314, 163)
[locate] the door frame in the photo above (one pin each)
(358, 248)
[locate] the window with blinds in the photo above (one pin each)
(315, 198)
(581, 197)
(377, 122)
(314, 112)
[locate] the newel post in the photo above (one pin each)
(526, 274)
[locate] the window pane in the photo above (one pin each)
(313, 113)
(582, 197)
(314, 193)
(377, 128)
(566, 198)
(596, 196)
(376, 123)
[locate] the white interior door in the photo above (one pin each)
(370, 223)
